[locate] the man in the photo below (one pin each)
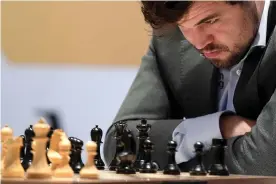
(210, 72)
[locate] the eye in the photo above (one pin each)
(212, 21)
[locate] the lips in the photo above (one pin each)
(211, 54)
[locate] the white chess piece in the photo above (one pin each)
(40, 167)
(6, 133)
(12, 167)
(90, 171)
(63, 169)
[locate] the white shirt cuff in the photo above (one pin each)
(188, 132)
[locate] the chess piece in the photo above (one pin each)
(119, 131)
(28, 157)
(148, 166)
(22, 150)
(218, 166)
(75, 156)
(64, 170)
(12, 167)
(90, 170)
(143, 129)
(171, 168)
(127, 157)
(96, 136)
(53, 151)
(199, 168)
(40, 167)
(6, 134)
(48, 143)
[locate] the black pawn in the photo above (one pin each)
(28, 158)
(75, 155)
(172, 168)
(148, 166)
(119, 131)
(218, 166)
(127, 157)
(22, 150)
(96, 136)
(143, 129)
(199, 169)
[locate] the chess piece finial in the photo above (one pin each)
(96, 136)
(90, 170)
(40, 167)
(218, 166)
(12, 167)
(199, 168)
(64, 170)
(171, 168)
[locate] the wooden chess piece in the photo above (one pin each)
(75, 156)
(171, 168)
(28, 157)
(96, 136)
(199, 169)
(40, 167)
(90, 171)
(22, 150)
(148, 166)
(6, 134)
(64, 170)
(143, 129)
(53, 151)
(218, 166)
(13, 167)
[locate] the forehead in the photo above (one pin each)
(200, 10)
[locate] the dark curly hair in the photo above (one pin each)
(162, 13)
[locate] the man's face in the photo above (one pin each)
(221, 32)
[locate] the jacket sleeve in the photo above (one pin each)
(255, 152)
(146, 99)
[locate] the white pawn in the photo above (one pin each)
(89, 170)
(63, 169)
(6, 133)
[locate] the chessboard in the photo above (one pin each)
(110, 177)
(47, 156)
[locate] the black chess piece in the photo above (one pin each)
(119, 131)
(49, 135)
(199, 168)
(143, 129)
(218, 166)
(126, 158)
(75, 155)
(22, 150)
(148, 165)
(172, 167)
(96, 136)
(28, 158)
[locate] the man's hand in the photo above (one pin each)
(231, 125)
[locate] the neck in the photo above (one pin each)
(260, 8)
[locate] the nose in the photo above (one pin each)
(200, 39)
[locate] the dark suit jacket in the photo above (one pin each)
(174, 81)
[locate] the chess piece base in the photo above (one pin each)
(100, 167)
(64, 172)
(198, 171)
(172, 169)
(39, 174)
(218, 170)
(13, 173)
(112, 168)
(148, 168)
(89, 173)
(125, 170)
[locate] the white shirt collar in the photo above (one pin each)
(260, 39)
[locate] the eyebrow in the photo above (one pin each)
(209, 17)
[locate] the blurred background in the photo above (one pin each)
(71, 62)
